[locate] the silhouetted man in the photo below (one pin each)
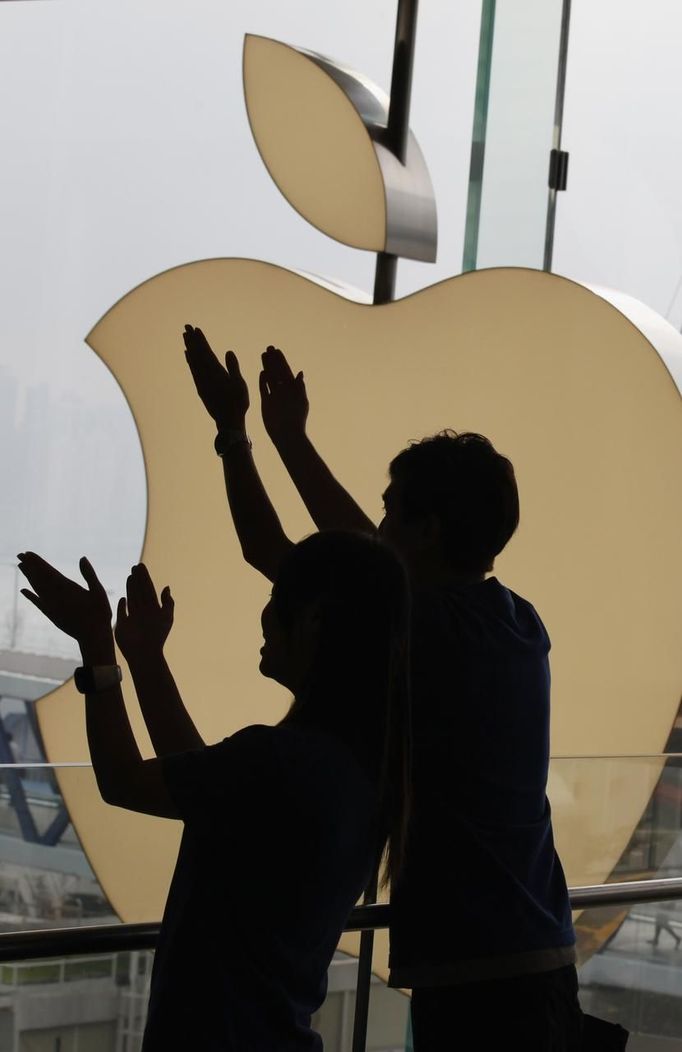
(481, 924)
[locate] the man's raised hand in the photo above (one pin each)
(284, 402)
(222, 389)
(142, 621)
(84, 613)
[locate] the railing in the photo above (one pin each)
(120, 938)
(47, 878)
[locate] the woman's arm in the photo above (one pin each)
(123, 777)
(142, 626)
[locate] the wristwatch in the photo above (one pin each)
(91, 679)
(229, 437)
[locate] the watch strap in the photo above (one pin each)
(91, 679)
(228, 437)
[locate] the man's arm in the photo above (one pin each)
(284, 405)
(123, 777)
(263, 542)
(142, 626)
(225, 396)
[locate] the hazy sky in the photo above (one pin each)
(126, 147)
(126, 150)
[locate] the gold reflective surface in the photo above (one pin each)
(559, 380)
(314, 143)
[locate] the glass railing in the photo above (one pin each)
(69, 970)
(46, 879)
(617, 817)
(517, 122)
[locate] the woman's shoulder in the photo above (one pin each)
(296, 753)
(293, 739)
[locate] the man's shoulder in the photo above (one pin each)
(486, 611)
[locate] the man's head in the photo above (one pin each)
(452, 499)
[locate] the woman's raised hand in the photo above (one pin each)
(84, 613)
(142, 621)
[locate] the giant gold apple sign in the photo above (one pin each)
(582, 394)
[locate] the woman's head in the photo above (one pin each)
(336, 633)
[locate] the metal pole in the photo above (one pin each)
(478, 135)
(397, 131)
(558, 121)
(362, 989)
(398, 126)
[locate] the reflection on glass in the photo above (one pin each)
(105, 997)
(45, 878)
(388, 1010)
(635, 979)
(78, 1004)
(591, 801)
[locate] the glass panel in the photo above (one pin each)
(105, 998)
(388, 1010)
(513, 131)
(635, 979)
(46, 880)
(617, 818)
(619, 225)
(96, 1003)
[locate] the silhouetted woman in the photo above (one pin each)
(283, 825)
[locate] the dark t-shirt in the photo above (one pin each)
(483, 894)
(276, 850)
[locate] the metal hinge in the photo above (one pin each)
(558, 169)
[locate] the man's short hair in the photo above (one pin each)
(469, 486)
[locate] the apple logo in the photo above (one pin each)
(583, 394)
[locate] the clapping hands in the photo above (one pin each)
(142, 621)
(284, 401)
(84, 613)
(223, 390)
